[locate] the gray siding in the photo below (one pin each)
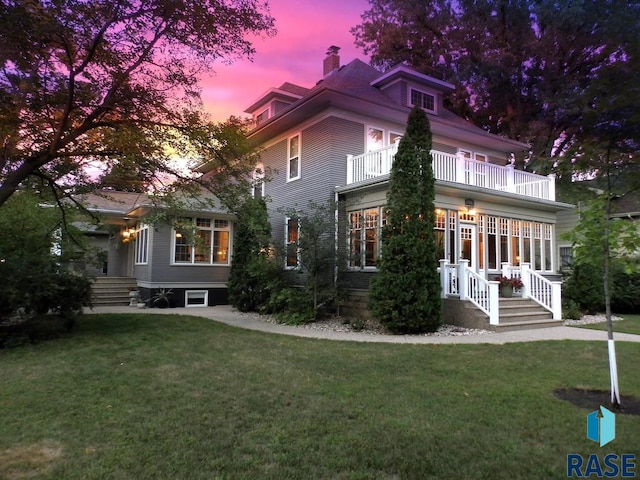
(323, 166)
(162, 271)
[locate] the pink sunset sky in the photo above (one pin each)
(306, 28)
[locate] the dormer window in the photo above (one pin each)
(424, 100)
(262, 116)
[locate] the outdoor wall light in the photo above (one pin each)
(468, 202)
(128, 234)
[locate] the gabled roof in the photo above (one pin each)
(353, 87)
(287, 92)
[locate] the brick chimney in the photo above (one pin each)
(332, 61)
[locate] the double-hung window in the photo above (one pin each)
(293, 158)
(202, 241)
(291, 236)
(257, 184)
(421, 99)
(365, 228)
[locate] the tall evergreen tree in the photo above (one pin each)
(252, 273)
(405, 295)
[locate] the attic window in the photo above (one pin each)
(423, 100)
(262, 117)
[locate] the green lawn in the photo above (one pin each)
(168, 397)
(630, 324)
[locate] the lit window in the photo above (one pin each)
(203, 241)
(292, 231)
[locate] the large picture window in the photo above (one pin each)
(202, 241)
(365, 228)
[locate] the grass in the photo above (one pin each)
(629, 324)
(170, 397)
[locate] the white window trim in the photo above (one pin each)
(289, 177)
(193, 263)
(425, 91)
(141, 245)
(286, 245)
(206, 298)
(363, 239)
(385, 137)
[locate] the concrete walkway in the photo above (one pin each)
(226, 314)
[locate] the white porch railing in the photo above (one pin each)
(459, 280)
(539, 289)
(458, 169)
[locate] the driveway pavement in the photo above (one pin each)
(226, 314)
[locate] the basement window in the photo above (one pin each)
(196, 298)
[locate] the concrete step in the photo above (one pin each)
(526, 325)
(112, 290)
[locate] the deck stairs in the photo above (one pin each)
(111, 291)
(515, 314)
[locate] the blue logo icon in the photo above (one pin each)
(601, 429)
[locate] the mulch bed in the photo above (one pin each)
(592, 399)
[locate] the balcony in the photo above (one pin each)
(457, 169)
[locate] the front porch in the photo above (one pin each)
(456, 169)
(468, 295)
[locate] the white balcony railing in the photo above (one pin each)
(457, 169)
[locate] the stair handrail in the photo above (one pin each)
(543, 291)
(481, 292)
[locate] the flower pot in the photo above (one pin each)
(506, 291)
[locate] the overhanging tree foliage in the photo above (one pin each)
(115, 82)
(405, 294)
(521, 67)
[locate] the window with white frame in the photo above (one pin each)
(375, 139)
(257, 185)
(365, 228)
(196, 298)
(202, 241)
(293, 158)
(291, 236)
(142, 245)
(422, 99)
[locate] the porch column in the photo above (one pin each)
(463, 278)
(460, 168)
(526, 280)
(494, 303)
(552, 186)
(510, 186)
(505, 269)
(349, 169)
(444, 278)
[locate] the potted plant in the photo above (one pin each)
(507, 284)
(161, 298)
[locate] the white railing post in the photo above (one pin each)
(505, 269)
(463, 278)
(349, 169)
(444, 278)
(552, 186)
(460, 168)
(526, 280)
(556, 300)
(510, 187)
(494, 303)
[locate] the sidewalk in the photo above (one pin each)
(226, 314)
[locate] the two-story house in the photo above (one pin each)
(337, 140)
